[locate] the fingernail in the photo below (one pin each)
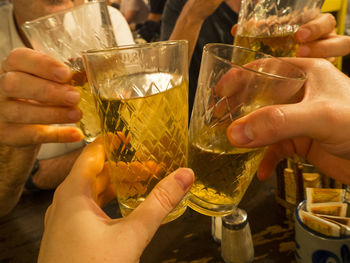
(72, 97)
(62, 74)
(77, 136)
(74, 115)
(241, 134)
(303, 34)
(303, 51)
(184, 177)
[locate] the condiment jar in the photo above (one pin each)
(236, 242)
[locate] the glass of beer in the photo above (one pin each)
(63, 35)
(233, 82)
(269, 25)
(142, 99)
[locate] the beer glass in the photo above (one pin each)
(233, 82)
(269, 25)
(142, 99)
(63, 35)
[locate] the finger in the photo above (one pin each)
(25, 86)
(272, 124)
(20, 135)
(323, 25)
(82, 178)
(36, 63)
(168, 193)
(333, 46)
(277, 152)
(268, 164)
(15, 111)
(234, 30)
(103, 179)
(333, 166)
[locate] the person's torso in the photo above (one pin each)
(9, 38)
(215, 29)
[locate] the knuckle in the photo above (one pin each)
(331, 116)
(332, 22)
(58, 115)
(8, 83)
(38, 137)
(163, 197)
(13, 58)
(13, 114)
(47, 92)
(347, 43)
(274, 119)
(320, 64)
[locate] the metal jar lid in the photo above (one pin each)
(235, 221)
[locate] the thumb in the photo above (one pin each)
(90, 163)
(167, 194)
(272, 124)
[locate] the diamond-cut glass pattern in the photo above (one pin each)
(146, 136)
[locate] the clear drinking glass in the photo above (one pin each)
(233, 82)
(269, 25)
(142, 98)
(63, 35)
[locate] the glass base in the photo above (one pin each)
(207, 208)
(88, 140)
(176, 213)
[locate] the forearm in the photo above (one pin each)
(187, 27)
(53, 171)
(15, 167)
(130, 16)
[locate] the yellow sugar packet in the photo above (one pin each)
(324, 195)
(332, 209)
(319, 225)
(344, 230)
(341, 220)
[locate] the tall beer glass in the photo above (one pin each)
(233, 82)
(269, 25)
(142, 94)
(63, 35)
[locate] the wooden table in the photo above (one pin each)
(185, 240)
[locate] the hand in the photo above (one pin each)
(76, 228)
(317, 128)
(33, 94)
(319, 40)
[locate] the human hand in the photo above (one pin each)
(33, 94)
(76, 228)
(317, 128)
(319, 40)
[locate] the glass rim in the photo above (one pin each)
(135, 46)
(208, 46)
(67, 10)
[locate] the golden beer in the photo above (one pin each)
(147, 137)
(279, 46)
(90, 122)
(222, 178)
